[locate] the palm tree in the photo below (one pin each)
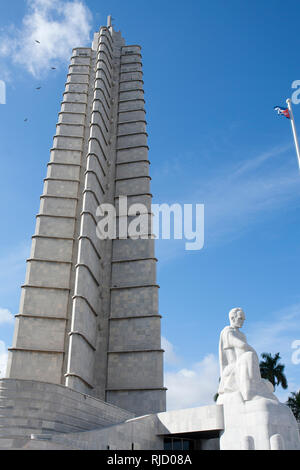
(294, 403)
(272, 370)
(216, 395)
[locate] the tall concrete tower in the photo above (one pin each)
(89, 307)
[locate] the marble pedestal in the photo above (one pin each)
(259, 424)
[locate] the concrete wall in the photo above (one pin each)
(30, 407)
(146, 432)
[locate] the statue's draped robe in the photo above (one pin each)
(240, 367)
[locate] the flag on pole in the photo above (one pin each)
(291, 115)
(283, 111)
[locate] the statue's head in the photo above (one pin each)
(237, 317)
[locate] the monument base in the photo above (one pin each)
(43, 416)
(259, 424)
(29, 407)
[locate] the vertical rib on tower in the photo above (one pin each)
(135, 358)
(89, 307)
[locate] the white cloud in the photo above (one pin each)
(240, 196)
(3, 358)
(6, 316)
(58, 25)
(170, 357)
(259, 160)
(194, 386)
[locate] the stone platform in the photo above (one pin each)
(202, 425)
(29, 407)
(42, 416)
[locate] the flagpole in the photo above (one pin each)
(289, 103)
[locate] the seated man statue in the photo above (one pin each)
(253, 417)
(239, 364)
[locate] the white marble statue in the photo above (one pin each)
(254, 419)
(239, 364)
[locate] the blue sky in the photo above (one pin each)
(213, 72)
